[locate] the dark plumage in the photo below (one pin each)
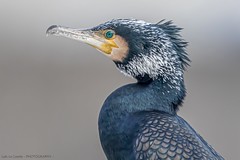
(139, 121)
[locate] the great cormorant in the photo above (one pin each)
(139, 121)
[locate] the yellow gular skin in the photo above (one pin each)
(108, 46)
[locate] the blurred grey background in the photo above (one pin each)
(51, 89)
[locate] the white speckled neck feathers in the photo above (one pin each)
(155, 66)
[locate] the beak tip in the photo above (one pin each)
(51, 30)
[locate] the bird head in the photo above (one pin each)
(141, 50)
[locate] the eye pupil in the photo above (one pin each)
(109, 34)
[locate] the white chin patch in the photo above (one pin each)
(154, 66)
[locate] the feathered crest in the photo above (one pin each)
(179, 44)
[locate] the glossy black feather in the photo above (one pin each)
(164, 136)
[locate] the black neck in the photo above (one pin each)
(156, 94)
(162, 94)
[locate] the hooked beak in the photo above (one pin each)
(88, 36)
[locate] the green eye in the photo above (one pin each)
(109, 34)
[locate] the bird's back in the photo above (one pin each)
(164, 136)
